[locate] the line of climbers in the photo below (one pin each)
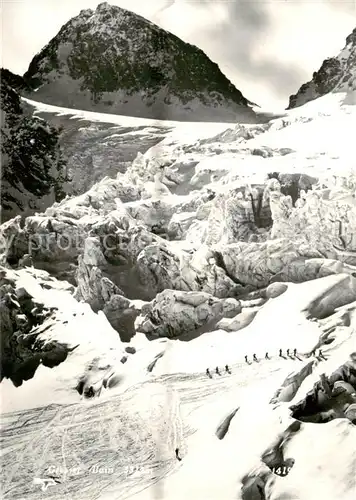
(254, 358)
(217, 371)
(288, 353)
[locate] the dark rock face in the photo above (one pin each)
(351, 39)
(336, 74)
(114, 60)
(21, 350)
(331, 397)
(322, 83)
(293, 184)
(32, 164)
(16, 82)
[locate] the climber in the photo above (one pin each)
(177, 454)
(320, 353)
(208, 372)
(227, 369)
(280, 353)
(246, 360)
(287, 352)
(254, 357)
(50, 226)
(295, 352)
(217, 370)
(266, 356)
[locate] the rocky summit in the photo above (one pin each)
(336, 74)
(114, 61)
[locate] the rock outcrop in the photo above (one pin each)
(43, 326)
(33, 170)
(176, 314)
(22, 320)
(336, 74)
(331, 397)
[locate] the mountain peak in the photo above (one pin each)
(351, 39)
(115, 61)
(103, 6)
(336, 74)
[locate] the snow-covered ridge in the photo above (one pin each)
(117, 119)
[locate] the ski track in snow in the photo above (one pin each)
(134, 433)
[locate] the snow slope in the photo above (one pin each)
(131, 438)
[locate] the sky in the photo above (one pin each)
(267, 48)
